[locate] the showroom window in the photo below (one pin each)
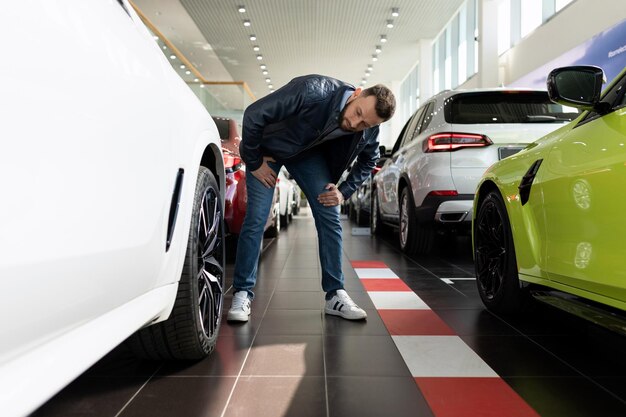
(410, 94)
(455, 49)
(519, 18)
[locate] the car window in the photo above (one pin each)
(410, 131)
(396, 145)
(616, 97)
(428, 117)
(223, 127)
(506, 107)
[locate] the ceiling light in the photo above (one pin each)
(374, 57)
(195, 80)
(253, 37)
(156, 38)
(263, 66)
(390, 23)
(201, 85)
(370, 66)
(267, 80)
(242, 9)
(172, 56)
(188, 72)
(265, 72)
(183, 66)
(256, 48)
(395, 12)
(367, 74)
(247, 23)
(378, 49)
(383, 38)
(164, 47)
(270, 86)
(259, 57)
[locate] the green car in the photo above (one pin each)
(550, 221)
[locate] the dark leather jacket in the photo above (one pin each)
(296, 118)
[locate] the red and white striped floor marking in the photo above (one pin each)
(455, 381)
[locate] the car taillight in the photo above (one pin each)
(232, 163)
(447, 193)
(447, 142)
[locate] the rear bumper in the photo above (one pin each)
(446, 209)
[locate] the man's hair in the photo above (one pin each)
(385, 100)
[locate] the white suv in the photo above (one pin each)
(428, 183)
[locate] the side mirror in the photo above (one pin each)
(577, 86)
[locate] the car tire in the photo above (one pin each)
(495, 262)
(377, 226)
(414, 237)
(361, 218)
(191, 331)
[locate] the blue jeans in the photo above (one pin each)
(312, 174)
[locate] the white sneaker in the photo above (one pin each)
(342, 305)
(240, 309)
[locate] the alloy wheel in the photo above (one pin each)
(491, 250)
(210, 262)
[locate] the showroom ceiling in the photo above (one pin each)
(295, 37)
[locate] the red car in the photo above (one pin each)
(235, 193)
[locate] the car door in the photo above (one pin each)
(86, 172)
(394, 167)
(583, 190)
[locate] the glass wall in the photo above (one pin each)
(518, 18)
(455, 50)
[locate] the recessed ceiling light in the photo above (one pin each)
(374, 57)
(247, 22)
(195, 80)
(242, 9)
(256, 48)
(187, 72)
(253, 37)
(395, 12)
(383, 38)
(183, 66)
(164, 47)
(270, 86)
(172, 56)
(267, 80)
(259, 57)
(367, 74)
(265, 72)
(156, 38)
(378, 49)
(390, 23)
(201, 85)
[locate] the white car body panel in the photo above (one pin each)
(90, 160)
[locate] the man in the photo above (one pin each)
(315, 126)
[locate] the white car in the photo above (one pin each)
(427, 185)
(111, 215)
(286, 196)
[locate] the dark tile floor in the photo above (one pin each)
(291, 360)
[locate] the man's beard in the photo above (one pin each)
(342, 118)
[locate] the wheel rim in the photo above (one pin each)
(210, 262)
(491, 250)
(404, 219)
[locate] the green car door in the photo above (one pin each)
(583, 185)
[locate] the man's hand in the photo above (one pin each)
(265, 174)
(332, 197)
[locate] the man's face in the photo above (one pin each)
(359, 113)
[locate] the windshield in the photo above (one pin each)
(506, 107)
